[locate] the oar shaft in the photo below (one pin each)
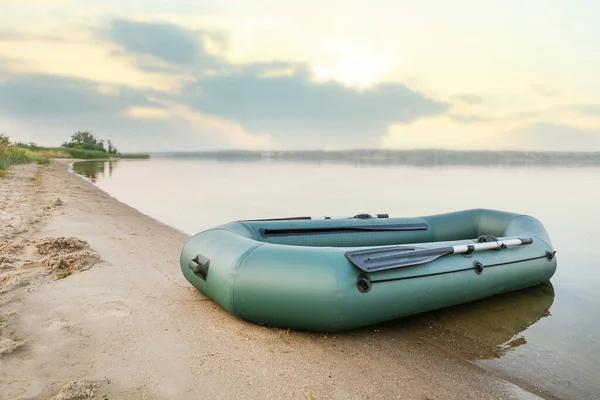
(458, 249)
(466, 248)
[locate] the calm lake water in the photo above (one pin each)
(546, 337)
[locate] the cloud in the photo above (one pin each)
(468, 98)
(470, 118)
(216, 103)
(279, 98)
(47, 109)
(9, 63)
(582, 109)
(167, 42)
(38, 95)
(230, 133)
(587, 109)
(138, 120)
(502, 135)
(224, 132)
(547, 136)
(443, 133)
(544, 90)
(475, 118)
(14, 35)
(292, 105)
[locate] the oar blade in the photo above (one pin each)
(372, 260)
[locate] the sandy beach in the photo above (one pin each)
(93, 305)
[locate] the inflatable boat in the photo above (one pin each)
(339, 273)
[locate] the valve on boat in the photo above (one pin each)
(550, 254)
(199, 265)
(478, 267)
(363, 283)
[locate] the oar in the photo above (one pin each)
(378, 259)
(358, 216)
(418, 226)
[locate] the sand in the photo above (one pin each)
(93, 305)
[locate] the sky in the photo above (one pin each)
(157, 75)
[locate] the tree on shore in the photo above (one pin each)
(86, 141)
(111, 149)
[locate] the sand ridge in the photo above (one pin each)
(125, 324)
(24, 204)
(24, 262)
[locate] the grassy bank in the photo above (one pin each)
(83, 145)
(96, 154)
(15, 155)
(133, 155)
(10, 155)
(76, 152)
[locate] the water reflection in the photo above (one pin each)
(93, 170)
(488, 328)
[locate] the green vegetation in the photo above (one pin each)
(76, 152)
(83, 145)
(12, 155)
(134, 155)
(86, 141)
(64, 275)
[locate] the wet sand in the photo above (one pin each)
(93, 305)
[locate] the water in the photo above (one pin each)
(546, 337)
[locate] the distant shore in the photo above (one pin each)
(403, 157)
(93, 303)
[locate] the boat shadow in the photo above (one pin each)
(484, 329)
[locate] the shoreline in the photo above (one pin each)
(122, 204)
(132, 327)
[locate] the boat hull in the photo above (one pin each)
(276, 274)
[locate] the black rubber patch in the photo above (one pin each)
(486, 239)
(363, 283)
(469, 252)
(199, 265)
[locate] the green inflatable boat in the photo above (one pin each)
(338, 273)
